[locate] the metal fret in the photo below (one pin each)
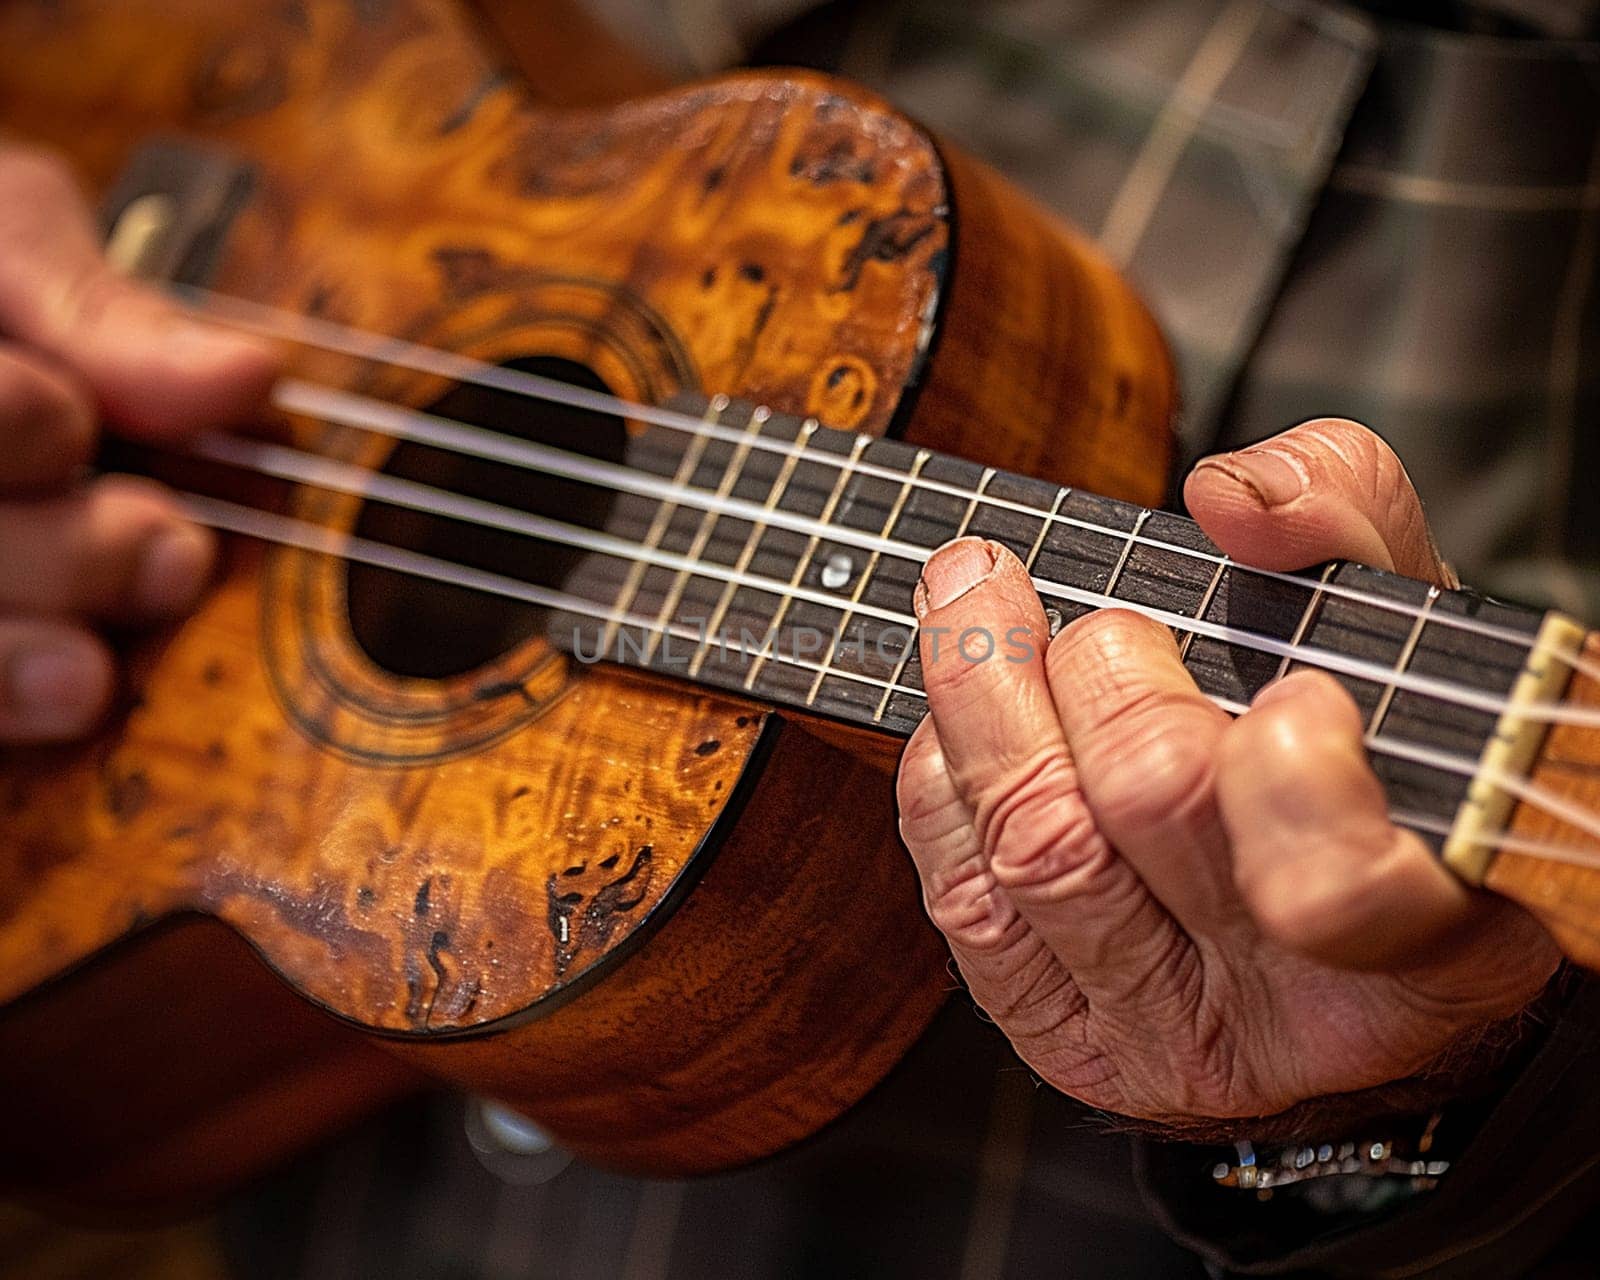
(1205, 603)
(708, 522)
(658, 527)
(846, 471)
(972, 507)
(1313, 607)
(1044, 528)
(865, 575)
(780, 486)
(1127, 552)
(961, 531)
(1401, 663)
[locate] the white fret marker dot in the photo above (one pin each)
(837, 572)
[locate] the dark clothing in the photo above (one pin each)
(959, 1166)
(1332, 210)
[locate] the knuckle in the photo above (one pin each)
(1313, 897)
(36, 174)
(1104, 663)
(932, 821)
(1301, 716)
(1373, 467)
(1018, 817)
(1100, 654)
(1142, 748)
(43, 418)
(962, 903)
(1052, 858)
(1156, 771)
(1045, 845)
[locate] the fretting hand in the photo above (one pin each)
(81, 347)
(1173, 915)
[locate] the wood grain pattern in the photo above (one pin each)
(468, 220)
(1565, 898)
(809, 960)
(437, 862)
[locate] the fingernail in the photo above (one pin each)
(1275, 478)
(173, 571)
(952, 571)
(54, 684)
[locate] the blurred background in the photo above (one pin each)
(1384, 211)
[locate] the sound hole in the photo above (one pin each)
(414, 626)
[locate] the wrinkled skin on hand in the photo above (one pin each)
(1174, 915)
(82, 349)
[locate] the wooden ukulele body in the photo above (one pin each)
(286, 884)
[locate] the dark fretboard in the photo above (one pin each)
(803, 591)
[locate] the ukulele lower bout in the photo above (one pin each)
(666, 923)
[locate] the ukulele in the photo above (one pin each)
(538, 735)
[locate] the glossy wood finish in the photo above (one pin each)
(1565, 897)
(1099, 392)
(467, 869)
(759, 1010)
(500, 233)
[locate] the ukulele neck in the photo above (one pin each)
(771, 556)
(793, 584)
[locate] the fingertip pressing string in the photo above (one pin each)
(361, 344)
(340, 407)
(305, 535)
(364, 413)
